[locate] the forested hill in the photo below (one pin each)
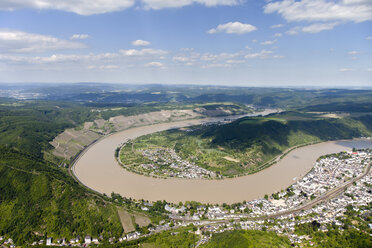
(38, 199)
(249, 144)
(287, 129)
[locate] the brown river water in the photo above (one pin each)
(97, 169)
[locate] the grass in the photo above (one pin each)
(129, 220)
(126, 221)
(247, 239)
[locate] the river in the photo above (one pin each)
(97, 169)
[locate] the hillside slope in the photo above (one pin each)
(248, 144)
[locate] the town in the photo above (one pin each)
(346, 175)
(164, 162)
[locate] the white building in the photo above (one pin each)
(88, 239)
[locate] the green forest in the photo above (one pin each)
(247, 239)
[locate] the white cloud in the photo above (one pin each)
(318, 27)
(233, 28)
(155, 64)
(322, 10)
(182, 59)
(313, 28)
(21, 42)
(353, 52)
(369, 69)
(140, 43)
(278, 35)
(79, 37)
(210, 60)
(264, 54)
(268, 42)
(293, 31)
(90, 7)
(369, 38)
(187, 49)
(220, 56)
(108, 67)
(220, 65)
(143, 52)
(346, 69)
(81, 7)
(130, 57)
(277, 26)
(235, 61)
(160, 4)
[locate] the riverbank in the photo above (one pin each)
(98, 169)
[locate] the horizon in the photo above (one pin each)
(304, 87)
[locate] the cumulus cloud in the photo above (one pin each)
(108, 67)
(90, 7)
(353, 52)
(155, 64)
(346, 69)
(79, 37)
(318, 27)
(143, 52)
(313, 28)
(263, 54)
(233, 28)
(294, 30)
(183, 59)
(278, 35)
(15, 41)
(220, 56)
(268, 42)
(235, 61)
(140, 43)
(160, 4)
(322, 10)
(369, 38)
(213, 65)
(81, 7)
(277, 26)
(130, 57)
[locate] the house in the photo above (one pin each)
(88, 239)
(95, 240)
(131, 236)
(49, 241)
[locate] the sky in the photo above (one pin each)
(277, 43)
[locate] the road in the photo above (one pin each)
(328, 195)
(308, 205)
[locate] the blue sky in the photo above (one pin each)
(324, 43)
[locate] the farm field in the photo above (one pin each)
(130, 220)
